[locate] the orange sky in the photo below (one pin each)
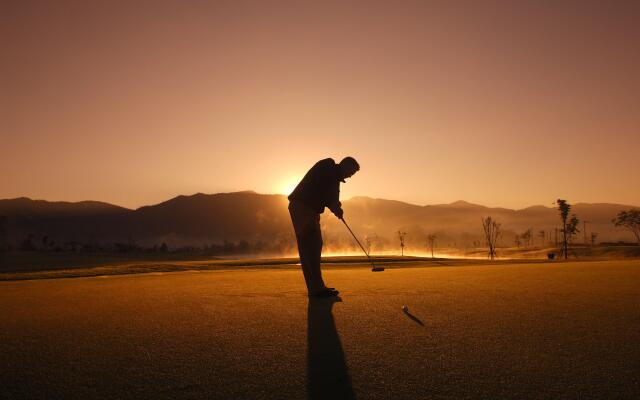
(498, 103)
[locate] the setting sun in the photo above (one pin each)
(287, 186)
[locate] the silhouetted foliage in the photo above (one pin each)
(125, 247)
(27, 243)
(89, 247)
(72, 245)
(630, 220)
(572, 227)
(243, 247)
(4, 246)
(259, 247)
(228, 247)
(569, 227)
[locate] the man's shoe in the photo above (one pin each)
(324, 293)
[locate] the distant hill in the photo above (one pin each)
(207, 218)
(459, 223)
(223, 216)
(24, 206)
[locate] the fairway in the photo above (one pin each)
(544, 330)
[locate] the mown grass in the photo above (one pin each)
(28, 266)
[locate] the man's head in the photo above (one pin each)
(348, 167)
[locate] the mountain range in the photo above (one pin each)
(213, 218)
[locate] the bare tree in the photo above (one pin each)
(517, 241)
(401, 236)
(431, 241)
(630, 220)
(369, 239)
(491, 233)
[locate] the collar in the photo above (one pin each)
(338, 174)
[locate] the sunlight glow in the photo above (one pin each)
(287, 186)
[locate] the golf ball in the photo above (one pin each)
(405, 308)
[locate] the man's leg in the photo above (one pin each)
(306, 224)
(303, 260)
(313, 258)
(303, 222)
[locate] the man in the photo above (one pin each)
(319, 188)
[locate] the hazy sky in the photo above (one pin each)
(502, 103)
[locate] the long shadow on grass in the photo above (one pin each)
(413, 318)
(327, 373)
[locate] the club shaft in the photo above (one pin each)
(357, 241)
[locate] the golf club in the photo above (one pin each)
(373, 267)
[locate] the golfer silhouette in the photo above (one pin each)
(319, 188)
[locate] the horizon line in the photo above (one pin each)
(284, 195)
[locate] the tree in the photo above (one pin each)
(401, 236)
(431, 241)
(569, 227)
(228, 247)
(517, 241)
(526, 238)
(244, 247)
(542, 235)
(630, 220)
(491, 233)
(3, 233)
(369, 239)
(27, 243)
(572, 227)
(594, 236)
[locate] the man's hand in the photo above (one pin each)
(336, 209)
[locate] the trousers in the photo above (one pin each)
(306, 223)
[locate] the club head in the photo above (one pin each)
(377, 269)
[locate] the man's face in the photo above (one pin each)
(347, 170)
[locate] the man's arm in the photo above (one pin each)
(331, 189)
(333, 200)
(336, 208)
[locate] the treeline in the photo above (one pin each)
(565, 234)
(31, 243)
(569, 232)
(4, 244)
